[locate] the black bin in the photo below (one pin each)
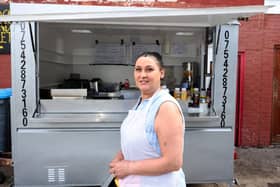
(5, 125)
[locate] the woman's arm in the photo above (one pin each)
(170, 132)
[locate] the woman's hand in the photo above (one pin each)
(118, 157)
(118, 165)
(120, 169)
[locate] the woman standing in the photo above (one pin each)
(152, 135)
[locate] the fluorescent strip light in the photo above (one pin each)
(84, 31)
(184, 33)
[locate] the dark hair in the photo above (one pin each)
(156, 55)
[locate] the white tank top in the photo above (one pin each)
(135, 146)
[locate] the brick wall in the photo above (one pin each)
(257, 39)
(5, 71)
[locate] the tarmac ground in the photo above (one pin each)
(254, 167)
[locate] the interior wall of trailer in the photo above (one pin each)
(108, 73)
(52, 73)
(55, 64)
(74, 49)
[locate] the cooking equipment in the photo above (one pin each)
(190, 74)
(75, 83)
(95, 84)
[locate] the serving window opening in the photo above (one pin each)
(96, 62)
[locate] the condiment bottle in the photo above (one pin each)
(184, 94)
(196, 97)
(177, 93)
(208, 97)
(202, 96)
(126, 84)
(164, 87)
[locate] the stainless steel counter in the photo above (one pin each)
(106, 117)
(96, 113)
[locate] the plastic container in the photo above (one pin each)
(177, 93)
(184, 94)
(204, 108)
(5, 93)
(5, 127)
(164, 87)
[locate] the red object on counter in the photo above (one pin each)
(126, 84)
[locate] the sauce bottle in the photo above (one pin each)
(184, 94)
(126, 84)
(177, 93)
(196, 97)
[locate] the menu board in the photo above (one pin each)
(110, 54)
(140, 48)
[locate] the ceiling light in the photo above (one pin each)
(184, 33)
(84, 31)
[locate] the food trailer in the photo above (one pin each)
(69, 65)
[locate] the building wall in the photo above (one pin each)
(257, 39)
(5, 60)
(5, 71)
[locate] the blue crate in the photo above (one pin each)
(5, 93)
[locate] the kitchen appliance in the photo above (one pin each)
(75, 83)
(190, 74)
(95, 85)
